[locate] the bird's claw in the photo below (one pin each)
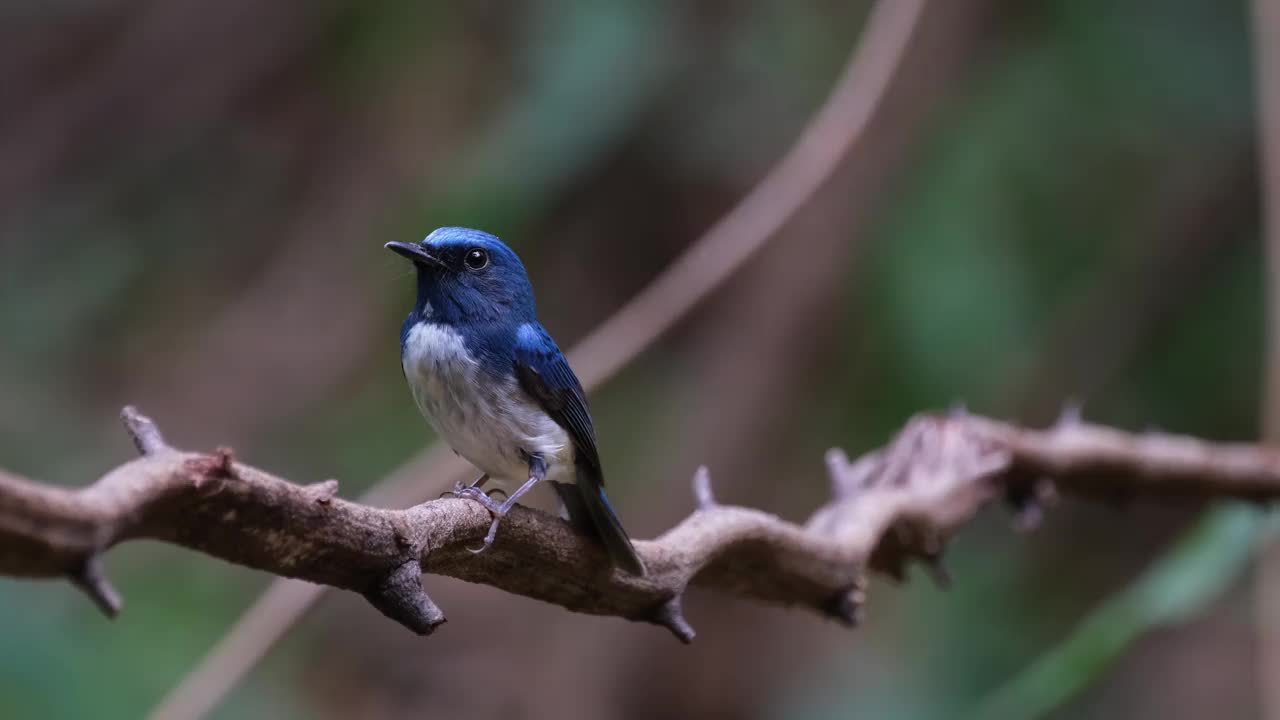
(498, 511)
(470, 492)
(463, 490)
(488, 538)
(460, 487)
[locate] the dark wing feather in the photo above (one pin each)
(545, 374)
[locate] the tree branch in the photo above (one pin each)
(893, 505)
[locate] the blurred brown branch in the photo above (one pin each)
(891, 506)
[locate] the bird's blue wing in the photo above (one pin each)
(545, 374)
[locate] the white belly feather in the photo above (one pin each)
(491, 423)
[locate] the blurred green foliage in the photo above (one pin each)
(1193, 573)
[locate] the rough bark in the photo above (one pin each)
(891, 506)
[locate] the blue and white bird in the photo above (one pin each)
(494, 385)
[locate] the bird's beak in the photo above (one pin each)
(414, 252)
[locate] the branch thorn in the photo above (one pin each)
(1029, 503)
(702, 489)
(670, 615)
(226, 458)
(323, 491)
(144, 432)
(90, 577)
(837, 465)
(1072, 415)
(1028, 516)
(937, 571)
(399, 596)
(846, 606)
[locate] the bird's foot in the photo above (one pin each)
(471, 492)
(496, 509)
(460, 489)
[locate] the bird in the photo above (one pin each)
(494, 385)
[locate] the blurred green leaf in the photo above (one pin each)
(1192, 574)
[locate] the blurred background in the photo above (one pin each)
(1058, 200)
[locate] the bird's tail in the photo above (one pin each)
(589, 510)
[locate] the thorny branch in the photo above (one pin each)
(893, 505)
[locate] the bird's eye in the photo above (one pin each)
(476, 259)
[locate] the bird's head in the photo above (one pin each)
(466, 275)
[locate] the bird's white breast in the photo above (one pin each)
(488, 420)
